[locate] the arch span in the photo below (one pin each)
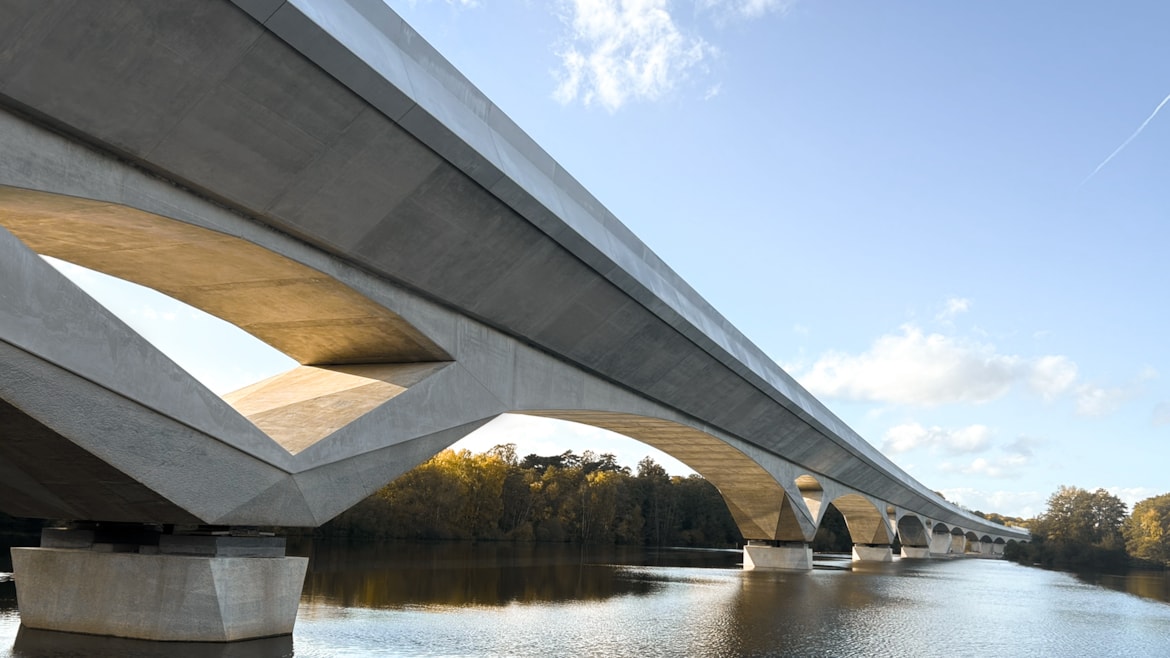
(759, 504)
(912, 531)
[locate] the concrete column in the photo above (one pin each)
(985, 547)
(940, 544)
(775, 556)
(872, 553)
(997, 549)
(915, 552)
(186, 588)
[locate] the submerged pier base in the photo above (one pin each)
(915, 552)
(872, 553)
(194, 588)
(777, 556)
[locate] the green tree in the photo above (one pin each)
(1078, 516)
(1080, 530)
(1147, 531)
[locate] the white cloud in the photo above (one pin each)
(713, 91)
(932, 369)
(1023, 446)
(1052, 375)
(620, 50)
(1023, 504)
(1098, 401)
(1132, 495)
(953, 307)
(909, 436)
(1004, 466)
(1095, 400)
(748, 9)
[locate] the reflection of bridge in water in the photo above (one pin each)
(316, 174)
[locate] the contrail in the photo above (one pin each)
(1131, 137)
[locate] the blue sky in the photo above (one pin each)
(918, 209)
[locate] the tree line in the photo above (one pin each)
(584, 498)
(1084, 529)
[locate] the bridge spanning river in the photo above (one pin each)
(315, 173)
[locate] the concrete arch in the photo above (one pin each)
(912, 531)
(866, 522)
(973, 545)
(958, 540)
(761, 507)
(940, 539)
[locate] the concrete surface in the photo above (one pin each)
(157, 597)
(789, 557)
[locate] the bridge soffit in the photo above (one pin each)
(865, 516)
(912, 529)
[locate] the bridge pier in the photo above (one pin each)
(940, 543)
(777, 556)
(872, 553)
(915, 552)
(208, 587)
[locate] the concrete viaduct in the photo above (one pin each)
(317, 174)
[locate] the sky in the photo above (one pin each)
(947, 220)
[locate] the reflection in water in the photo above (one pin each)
(1147, 584)
(48, 644)
(393, 575)
(539, 600)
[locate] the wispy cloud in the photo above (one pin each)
(747, 9)
(618, 51)
(917, 368)
(1003, 466)
(909, 436)
(953, 307)
(1129, 139)
(1024, 445)
(1024, 504)
(1131, 495)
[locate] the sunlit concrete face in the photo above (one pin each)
(759, 504)
(308, 315)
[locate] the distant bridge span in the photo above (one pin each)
(315, 173)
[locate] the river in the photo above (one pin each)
(526, 600)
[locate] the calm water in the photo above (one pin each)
(453, 599)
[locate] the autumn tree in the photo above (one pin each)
(1077, 516)
(1147, 531)
(1080, 529)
